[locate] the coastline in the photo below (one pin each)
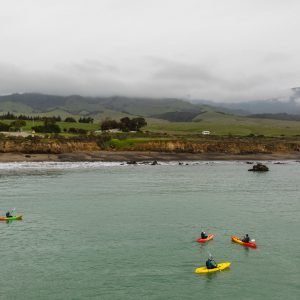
(139, 156)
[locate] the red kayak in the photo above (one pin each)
(209, 237)
(239, 241)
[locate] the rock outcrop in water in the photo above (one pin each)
(259, 167)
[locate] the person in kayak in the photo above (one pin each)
(210, 263)
(8, 215)
(246, 238)
(203, 235)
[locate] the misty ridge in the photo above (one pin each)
(170, 109)
(288, 105)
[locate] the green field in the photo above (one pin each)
(219, 124)
(228, 125)
(125, 143)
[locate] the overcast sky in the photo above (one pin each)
(224, 50)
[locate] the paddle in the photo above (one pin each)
(216, 265)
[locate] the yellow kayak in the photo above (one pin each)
(221, 266)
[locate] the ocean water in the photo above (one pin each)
(111, 231)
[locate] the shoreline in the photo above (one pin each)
(139, 156)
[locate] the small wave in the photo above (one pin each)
(48, 165)
(55, 165)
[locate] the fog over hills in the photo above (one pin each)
(289, 105)
(224, 51)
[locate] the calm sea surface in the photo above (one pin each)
(106, 231)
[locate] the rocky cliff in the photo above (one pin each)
(47, 146)
(231, 147)
(239, 146)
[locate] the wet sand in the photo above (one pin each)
(142, 156)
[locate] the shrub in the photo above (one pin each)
(77, 130)
(4, 127)
(49, 127)
(70, 120)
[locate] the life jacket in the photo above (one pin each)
(246, 239)
(210, 264)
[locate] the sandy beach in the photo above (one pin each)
(142, 156)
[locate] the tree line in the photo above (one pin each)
(49, 124)
(125, 124)
(11, 116)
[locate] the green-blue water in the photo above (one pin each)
(93, 231)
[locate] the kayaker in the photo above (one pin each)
(210, 263)
(8, 215)
(203, 235)
(246, 238)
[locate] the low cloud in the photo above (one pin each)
(217, 50)
(65, 80)
(152, 77)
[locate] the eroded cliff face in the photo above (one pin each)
(239, 146)
(53, 147)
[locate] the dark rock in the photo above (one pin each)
(259, 167)
(180, 163)
(154, 163)
(131, 162)
(249, 162)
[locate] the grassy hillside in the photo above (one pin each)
(15, 107)
(171, 116)
(78, 104)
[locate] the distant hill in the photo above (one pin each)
(289, 105)
(101, 107)
(178, 116)
(274, 106)
(282, 116)
(168, 109)
(165, 115)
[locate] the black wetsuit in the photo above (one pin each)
(203, 235)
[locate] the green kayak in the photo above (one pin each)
(11, 218)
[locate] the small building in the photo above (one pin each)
(206, 132)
